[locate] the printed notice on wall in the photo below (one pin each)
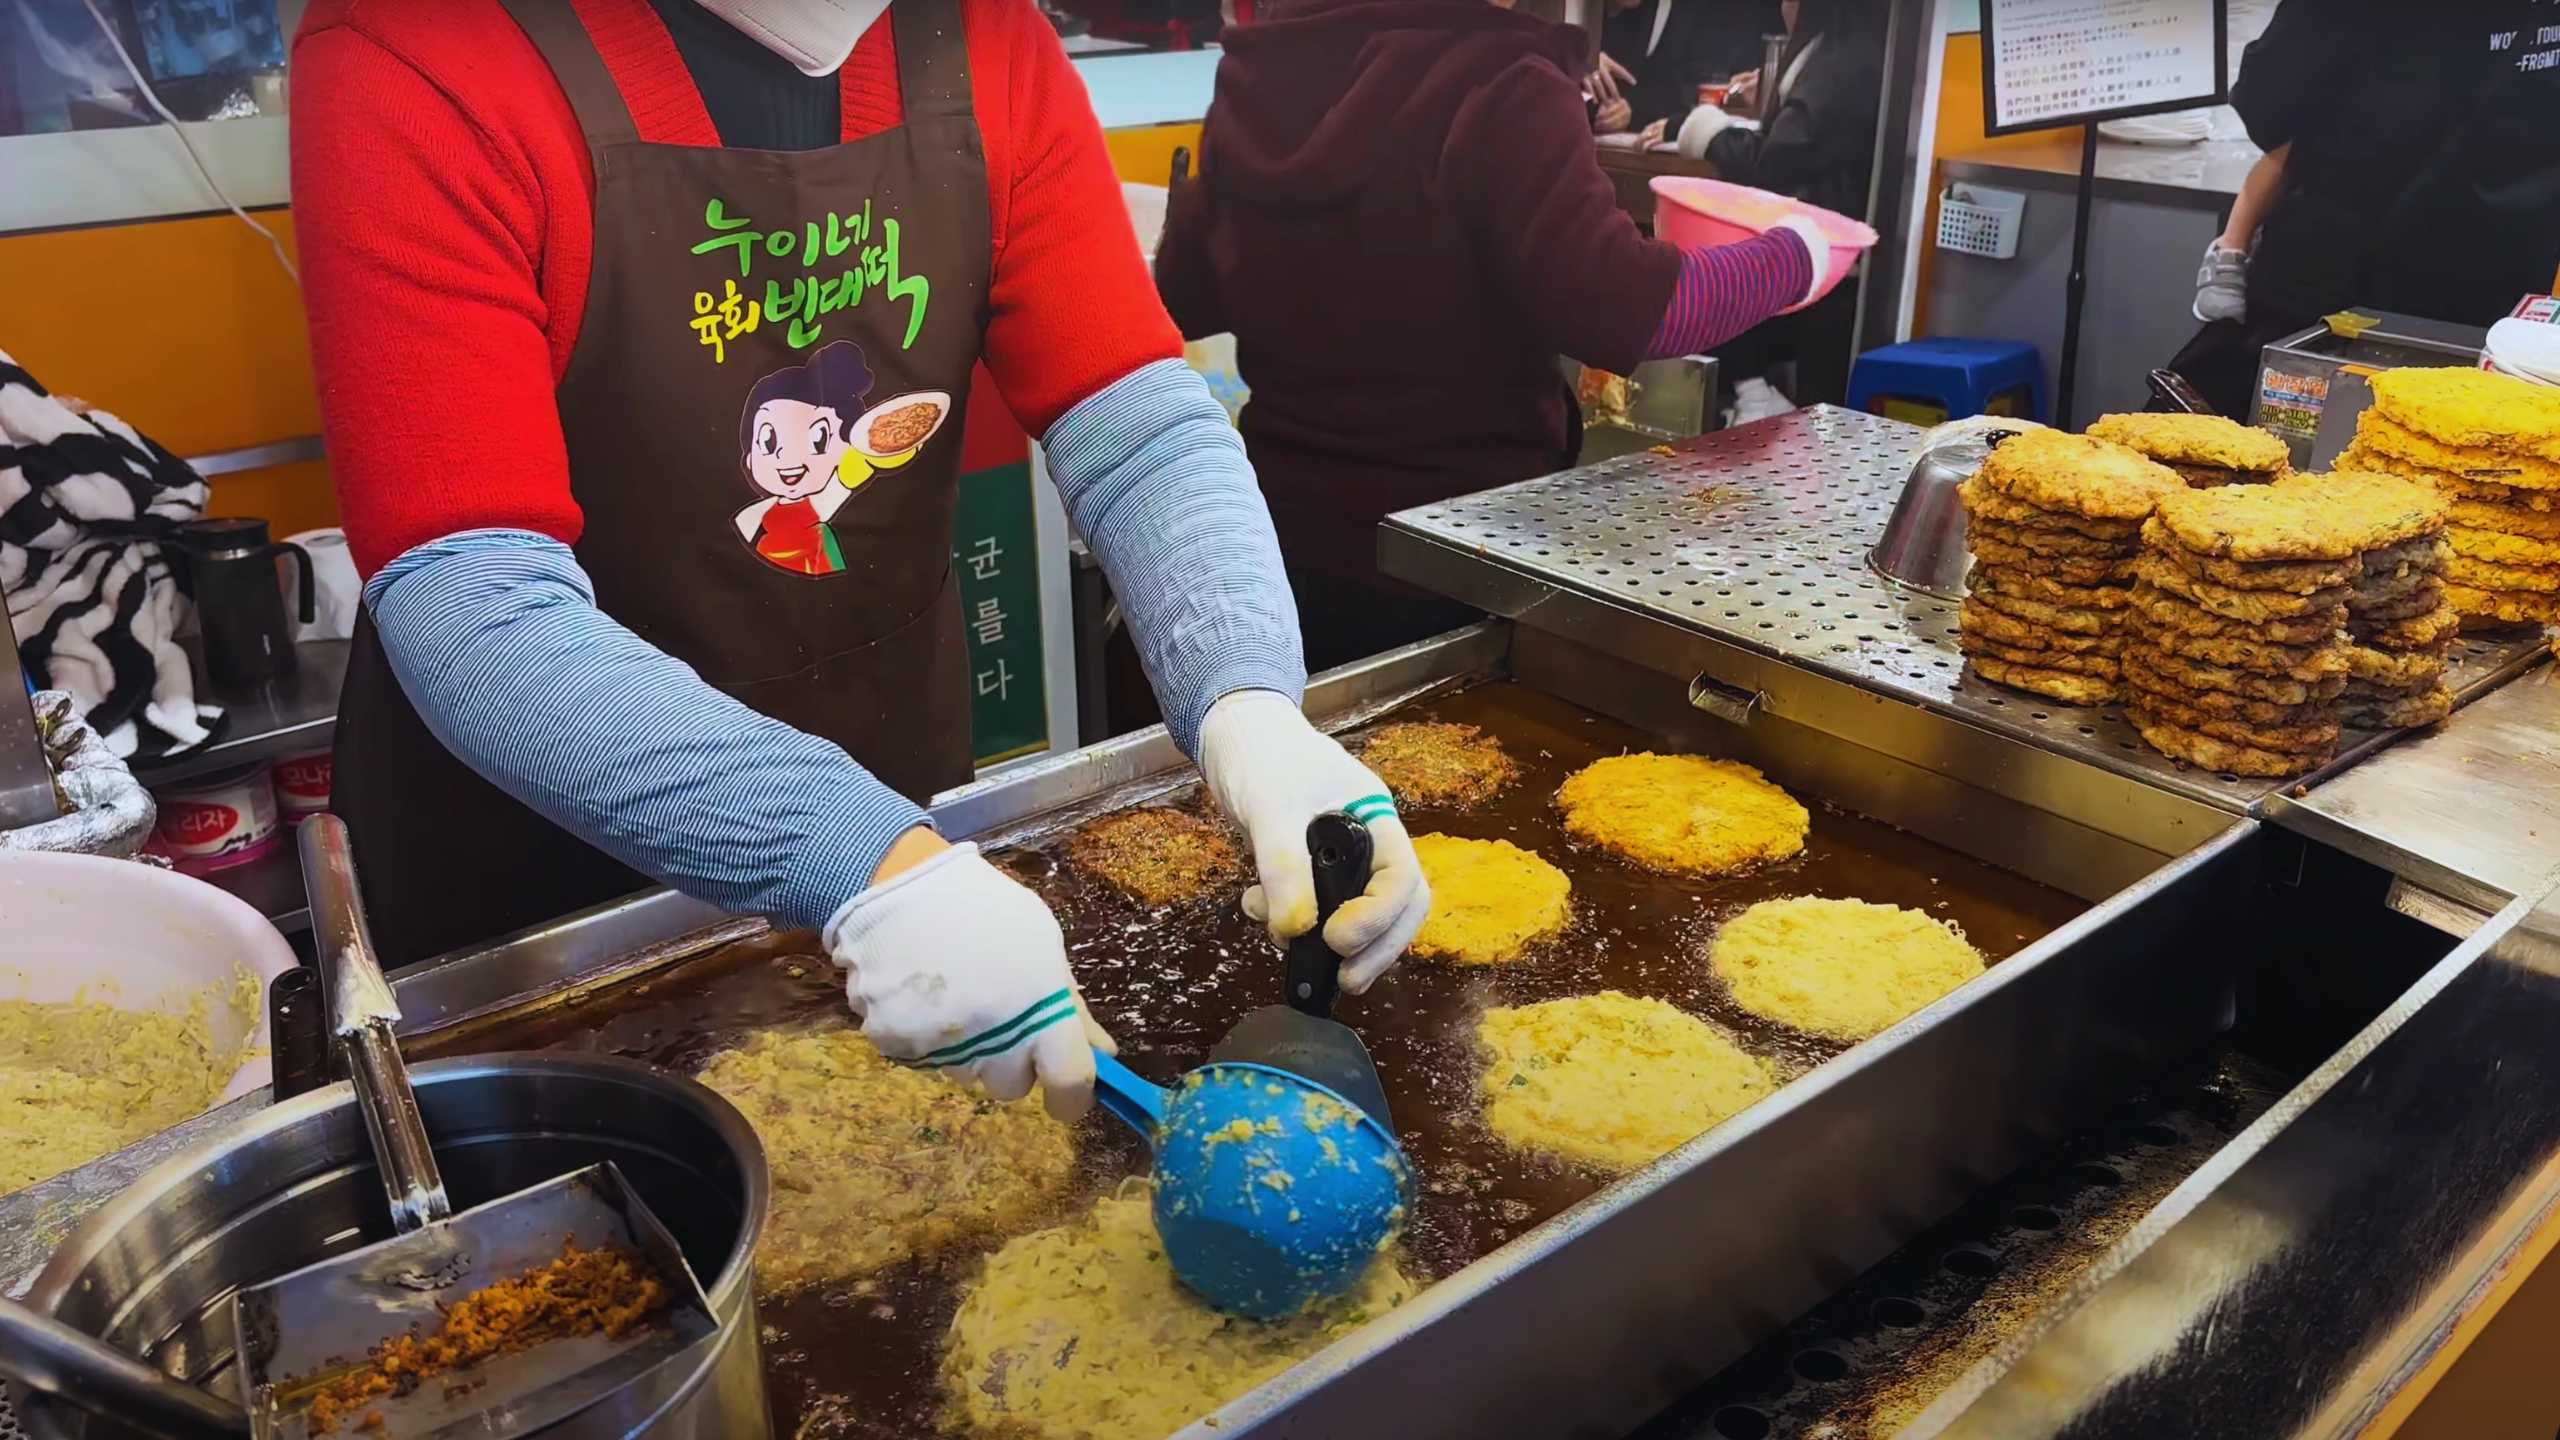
(2062, 62)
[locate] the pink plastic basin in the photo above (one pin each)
(1694, 212)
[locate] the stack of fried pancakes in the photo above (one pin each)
(2054, 522)
(2490, 446)
(2238, 656)
(2204, 450)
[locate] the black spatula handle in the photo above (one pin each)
(1339, 847)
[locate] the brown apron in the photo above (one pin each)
(763, 415)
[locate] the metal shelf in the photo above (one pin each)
(296, 713)
(1757, 536)
(273, 884)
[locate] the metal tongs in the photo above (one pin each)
(311, 1325)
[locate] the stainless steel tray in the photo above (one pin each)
(1758, 536)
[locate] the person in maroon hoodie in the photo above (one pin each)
(1400, 216)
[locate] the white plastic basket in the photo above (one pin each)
(1975, 221)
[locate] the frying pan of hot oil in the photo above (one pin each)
(860, 1360)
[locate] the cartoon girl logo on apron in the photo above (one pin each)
(806, 458)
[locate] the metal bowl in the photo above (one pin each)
(1923, 547)
(152, 1269)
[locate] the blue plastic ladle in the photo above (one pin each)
(1271, 1191)
(1277, 1169)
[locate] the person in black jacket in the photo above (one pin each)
(1654, 54)
(2433, 190)
(1815, 142)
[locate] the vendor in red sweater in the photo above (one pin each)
(643, 330)
(1400, 216)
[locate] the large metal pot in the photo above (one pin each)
(152, 1268)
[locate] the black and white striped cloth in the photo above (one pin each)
(87, 507)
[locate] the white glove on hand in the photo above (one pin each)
(1272, 772)
(953, 966)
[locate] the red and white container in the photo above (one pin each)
(302, 785)
(218, 821)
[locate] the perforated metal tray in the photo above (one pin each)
(1758, 536)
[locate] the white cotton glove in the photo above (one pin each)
(954, 966)
(1826, 273)
(1272, 772)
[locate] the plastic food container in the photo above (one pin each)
(217, 822)
(302, 785)
(138, 938)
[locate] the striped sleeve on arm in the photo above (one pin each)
(1157, 482)
(496, 639)
(1724, 290)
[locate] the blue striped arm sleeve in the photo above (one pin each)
(1157, 482)
(496, 638)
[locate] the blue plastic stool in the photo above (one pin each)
(1955, 377)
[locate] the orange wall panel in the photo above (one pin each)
(186, 328)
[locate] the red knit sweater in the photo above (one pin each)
(442, 195)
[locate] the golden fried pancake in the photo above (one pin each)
(2376, 434)
(2005, 629)
(2207, 441)
(2393, 669)
(2295, 662)
(1158, 855)
(1082, 1330)
(2250, 605)
(2068, 618)
(2059, 685)
(2493, 575)
(2467, 408)
(1436, 763)
(2027, 585)
(2047, 542)
(2424, 600)
(2389, 710)
(1610, 1080)
(2417, 632)
(2223, 756)
(2489, 483)
(2076, 662)
(855, 1190)
(2504, 519)
(2298, 576)
(1682, 812)
(2162, 608)
(1990, 504)
(1490, 900)
(2502, 548)
(2502, 607)
(1841, 968)
(2198, 675)
(2303, 517)
(2069, 569)
(2384, 587)
(2317, 731)
(2140, 680)
(2056, 470)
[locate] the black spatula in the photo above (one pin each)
(1302, 1036)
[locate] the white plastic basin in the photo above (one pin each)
(139, 938)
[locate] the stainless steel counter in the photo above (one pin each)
(2470, 810)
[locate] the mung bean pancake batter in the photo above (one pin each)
(1841, 968)
(1081, 1332)
(1490, 900)
(875, 1163)
(1610, 1080)
(1683, 812)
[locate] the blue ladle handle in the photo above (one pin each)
(1131, 1099)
